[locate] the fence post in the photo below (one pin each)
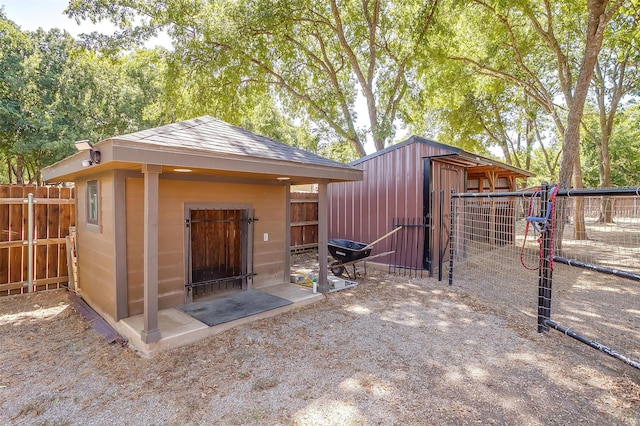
(545, 272)
(441, 250)
(451, 236)
(30, 243)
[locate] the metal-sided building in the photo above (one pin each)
(410, 183)
(165, 214)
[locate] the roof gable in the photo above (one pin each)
(209, 149)
(209, 134)
(469, 159)
(410, 140)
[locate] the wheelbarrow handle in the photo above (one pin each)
(388, 234)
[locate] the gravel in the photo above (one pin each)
(390, 351)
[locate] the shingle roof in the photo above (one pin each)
(209, 134)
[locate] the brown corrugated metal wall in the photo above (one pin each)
(363, 210)
(392, 188)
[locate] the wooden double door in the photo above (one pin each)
(218, 250)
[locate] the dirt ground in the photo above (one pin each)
(390, 351)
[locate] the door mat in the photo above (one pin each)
(230, 308)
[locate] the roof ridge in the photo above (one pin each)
(174, 125)
(212, 134)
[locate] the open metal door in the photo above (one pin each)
(439, 178)
(449, 180)
(427, 253)
(218, 250)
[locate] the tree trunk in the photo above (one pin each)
(606, 129)
(604, 170)
(530, 140)
(359, 147)
(579, 228)
(9, 168)
(575, 100)
(19, 172)
(595, 29)
(506, 152)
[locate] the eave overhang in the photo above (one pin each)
(128, 155)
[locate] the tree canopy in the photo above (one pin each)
(53, 92)
(548, 86)
(321, 60)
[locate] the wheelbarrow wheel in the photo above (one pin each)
(337, 269)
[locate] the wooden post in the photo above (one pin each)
(72, 260)
(151, 332)
(53, 231)
(287, 236)
(65, 223)
(491, 176)
(323, 236)
(16, 226)
(4, 236)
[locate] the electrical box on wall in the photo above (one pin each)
(266, 237)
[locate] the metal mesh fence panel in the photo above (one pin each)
(497, 253)
(488, 249)
(601, 306)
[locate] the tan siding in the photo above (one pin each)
(96, 276)
(135, 244)
(269, 203)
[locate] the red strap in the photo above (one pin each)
(526, 232)
(552, 225)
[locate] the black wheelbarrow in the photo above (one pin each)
(347, 252)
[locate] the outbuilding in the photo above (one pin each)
(409, 184)
(170, 216)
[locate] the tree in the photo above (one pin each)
(318, 58)
(45, 67)
(542, 48)
(624, 149)
(112, 95)
(480, 114)
(616, 76)
(14, 47)
(53, 91)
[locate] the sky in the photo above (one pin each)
(33, 14)
(30, 15)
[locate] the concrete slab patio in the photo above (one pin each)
(179, 329)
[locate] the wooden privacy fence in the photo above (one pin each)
(51, 212)
(304, 220)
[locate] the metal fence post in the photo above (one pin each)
(545, 273)
(452, 236)
(30, 243)
(440, 232)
